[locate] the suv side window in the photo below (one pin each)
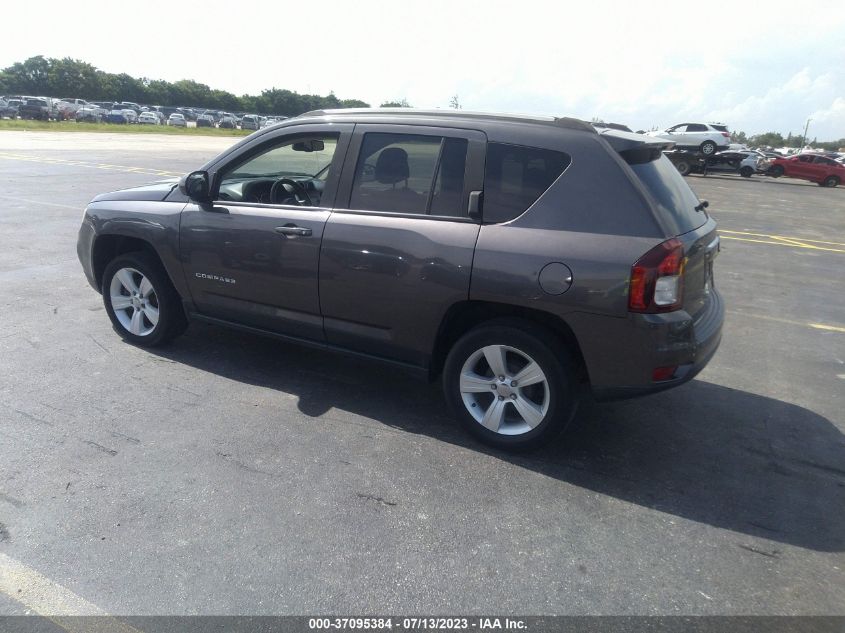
(409, 173)
(304, 159)
(696, 127)
(515, 176)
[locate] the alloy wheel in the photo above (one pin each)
(504, 390)
(134, 301)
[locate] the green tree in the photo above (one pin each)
(403, 103)
(29, 77)
(73, 78)
(769, 139)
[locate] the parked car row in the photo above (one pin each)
(706, 147)
(812, 166)
(123, 112)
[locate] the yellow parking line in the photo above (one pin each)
(831, 328)
(61, 161)
(60, 605)
(764, 317)
(781, 242)
(782, 237)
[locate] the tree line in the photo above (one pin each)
(776, 139)
(72, 78)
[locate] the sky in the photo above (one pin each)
(757, 66)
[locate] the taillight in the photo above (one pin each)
(659, 374)
(726, 134)
(657, 279)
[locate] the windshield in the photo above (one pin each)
(675, 200)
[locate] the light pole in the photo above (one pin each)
(806, 125)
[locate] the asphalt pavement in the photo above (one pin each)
(232, 474)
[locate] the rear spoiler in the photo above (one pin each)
(636, 148)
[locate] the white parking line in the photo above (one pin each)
(49, 599)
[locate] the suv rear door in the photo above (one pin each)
(397, 251)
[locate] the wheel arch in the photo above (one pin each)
(461, 317)
(108, 246)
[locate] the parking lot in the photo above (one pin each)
(231, 474)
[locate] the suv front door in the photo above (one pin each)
(397, 251)
(251, 257)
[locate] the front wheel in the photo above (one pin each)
(776, 171)
(707, 148)
(141, 302)
(746, 172)
(511, 384)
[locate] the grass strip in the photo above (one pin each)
(129, 128)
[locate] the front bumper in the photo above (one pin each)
(85, 251)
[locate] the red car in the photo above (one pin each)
(813, 167)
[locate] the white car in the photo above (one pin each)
(150, 118)
(177, 120)
(707, 138)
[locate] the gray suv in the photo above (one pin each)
(530, 262)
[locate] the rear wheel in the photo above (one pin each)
(830, 181)
(707, 148)
(683, 167)
(511, 384)
(141, 302)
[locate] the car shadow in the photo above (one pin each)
(711, 454)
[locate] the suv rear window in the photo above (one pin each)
(721, 128)
(515, 176)
(675, 200)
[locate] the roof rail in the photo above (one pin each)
(567, 122)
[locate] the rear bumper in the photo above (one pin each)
(650, 341)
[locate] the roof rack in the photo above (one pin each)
(567, 122)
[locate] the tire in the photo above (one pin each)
(708, 148)
(776, 171)
(830, 181)
(683, 167)
(140, 326)
(746, 172)
(549, 402)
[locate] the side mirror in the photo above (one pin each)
(196, 186)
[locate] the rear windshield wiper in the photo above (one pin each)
(700, 207)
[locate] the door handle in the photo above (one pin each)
(290, 229)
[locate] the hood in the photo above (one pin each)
(156, 191)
